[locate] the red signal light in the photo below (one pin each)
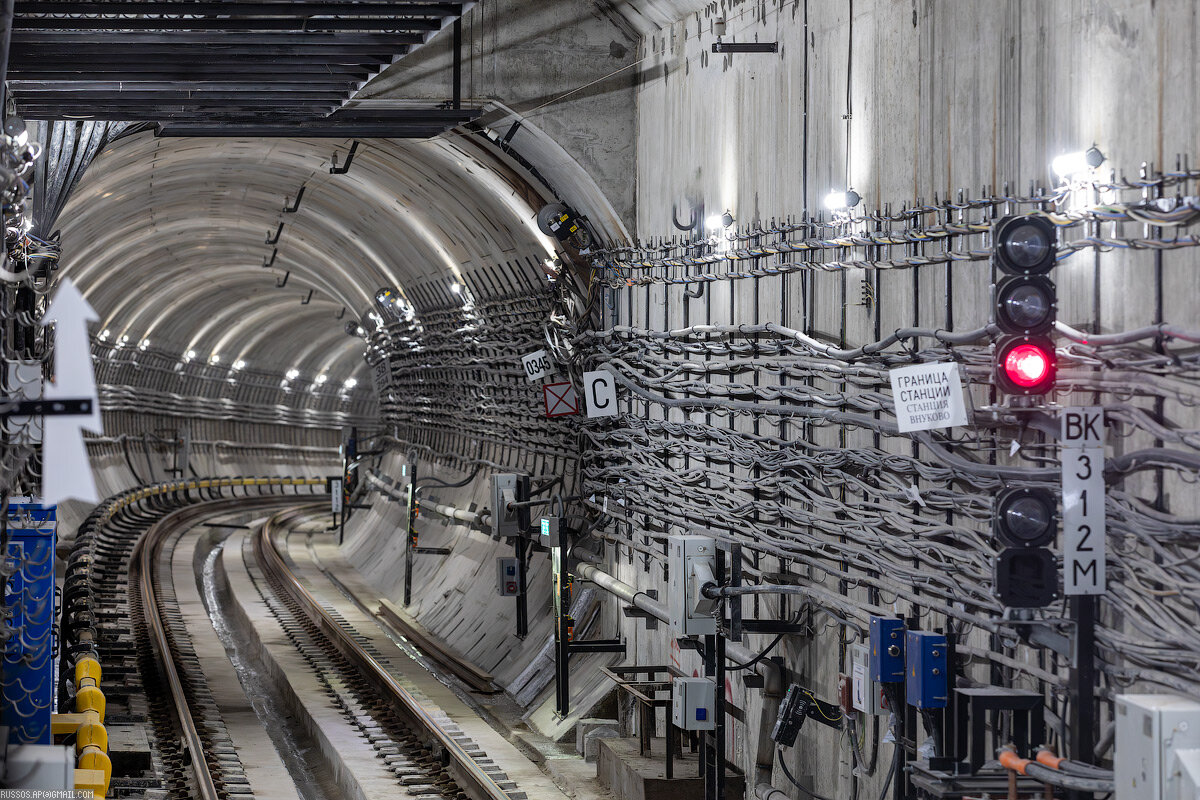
(1025, 365)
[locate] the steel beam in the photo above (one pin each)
(225, 24)
(68, 39)
(235, 8)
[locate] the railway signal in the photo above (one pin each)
(1025, 248)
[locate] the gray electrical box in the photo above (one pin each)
(693, 703)
(1158, 736)
(508, 579)
(866, 695)
(508, 487)
(691, 560)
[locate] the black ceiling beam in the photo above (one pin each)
(391, 130)
(69, 39)
(235, 8)
(193, 72)
(224, 24)
(171, 89)
(264, 112)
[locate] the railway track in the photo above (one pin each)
(129, 619)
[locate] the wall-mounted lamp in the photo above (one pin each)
(144, 344)
(716, 222)
(355, 329)
(1069, 165)
(239, 364)
(292, 374)
(456, 288)
(837, 200)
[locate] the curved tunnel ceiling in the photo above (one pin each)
(167, 239)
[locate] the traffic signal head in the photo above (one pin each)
(1025, 517)
(1026, 304)
(1025, 245)
(1025, 365)
(1026, 577)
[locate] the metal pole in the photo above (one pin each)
(457, 60)
(1082, 722)
(409, 533)
(520, 546)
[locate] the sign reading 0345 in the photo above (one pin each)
(537, 365)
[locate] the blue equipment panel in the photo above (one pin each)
(928, 670)
(28, 669)
(887, 650)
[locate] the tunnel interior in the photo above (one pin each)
(745, 336)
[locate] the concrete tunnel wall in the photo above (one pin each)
(903, 101)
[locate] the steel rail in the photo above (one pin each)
(144, 554)
(471, 778)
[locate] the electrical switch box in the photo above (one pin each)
(866, 694)
(691, 560)
(509, 488)
(927, 682)
(887, 650)
(693, 704)
(1157, 739)
(508, 577)
(548, 530)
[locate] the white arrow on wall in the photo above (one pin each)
(66, 470)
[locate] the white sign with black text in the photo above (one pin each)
(1084, 541)
(537, 365)
(928, 396)
(600, 393)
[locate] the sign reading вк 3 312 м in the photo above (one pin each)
(928, 396)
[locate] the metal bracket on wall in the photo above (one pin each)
(275, 239)
(342, 170)
(294, 207)
(308, 299)
(279, 284)
(269, 262)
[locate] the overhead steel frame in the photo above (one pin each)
(227, 68)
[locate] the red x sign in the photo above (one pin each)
(560, 399)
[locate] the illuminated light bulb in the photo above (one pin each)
(1069, 165)
(292, 374)
(215, 358)
(350, 383)
(104, 334)
(239, 364)
(839, 200)
(456, 288)
(320, 379)
(189, 355)
(1027, 365)
(144, 344)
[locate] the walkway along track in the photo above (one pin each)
(119, 573)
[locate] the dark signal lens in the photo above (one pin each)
(1025, 517)
(1026, 304)
(1025, 245)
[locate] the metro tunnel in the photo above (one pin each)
(600, 399)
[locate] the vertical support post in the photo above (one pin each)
(562, 627)
(410, 534)
(1082, 722)
(520, 548)
(457, 63)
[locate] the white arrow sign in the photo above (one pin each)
(66, 470)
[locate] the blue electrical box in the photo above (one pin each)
(887, 650)
(927, 683)
(28, 669)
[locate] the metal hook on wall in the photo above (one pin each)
(343, 313)
(279, 284)
(270, 262)
(342, 170)
(697, 214)
(278, 233)
(296, 205)
(308, 299)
